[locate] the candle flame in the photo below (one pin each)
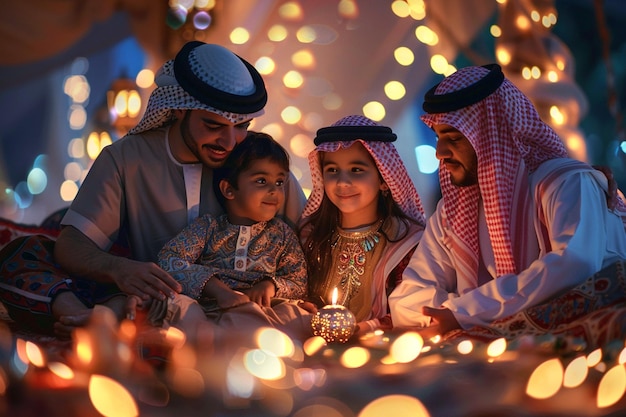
(335, 296)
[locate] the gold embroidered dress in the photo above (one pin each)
(355, 253)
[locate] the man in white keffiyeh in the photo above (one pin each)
(518, 223)
(144, 188)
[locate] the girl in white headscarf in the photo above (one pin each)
(362, 220)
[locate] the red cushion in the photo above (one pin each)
(10, 230)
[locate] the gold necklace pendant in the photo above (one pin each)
(352, 248)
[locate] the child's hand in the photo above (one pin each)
(230, 298)
(134, 303)
(262, 293)
(226, 297)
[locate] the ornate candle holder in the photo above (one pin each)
(334, 322)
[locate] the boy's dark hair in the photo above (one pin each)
(255, 146)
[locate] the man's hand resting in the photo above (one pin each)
(443, 320)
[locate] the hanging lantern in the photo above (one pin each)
(124, 104)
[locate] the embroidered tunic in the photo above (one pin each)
(351, 272)
(240, 256)
(145, 196)
(382, 270)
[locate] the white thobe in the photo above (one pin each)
(584, 235)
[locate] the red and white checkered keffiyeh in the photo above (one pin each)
(510, 141)
(388, 162)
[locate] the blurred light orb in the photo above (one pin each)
(144, 78)
(76, 148)
(77, 88)
(522, 23)
(465, 347)
(355, 357)
(449, 71)
(306, 34)
(239, 36)
(264, 365)
(546, 380)
(68, 190)
(404, 56)
(439, 63)
(418, 9)
(293, 79)
(497, 347)
(348, 9)
(304, 58)
(276, 342)
(277, 33)
(37, 181)
(176, 17)
(265, 65)
(61, 370)
(594, 358)
(291, 115)
(612, 386)
(313, 345)
(186, 4)
(110, 398)
(427, 162)
(400, 8)
(77, 117)
(202, 20)
(407, 347)
(205, 4)
(399, 405)
(395, 90)
(575, 373)
(290, 10)
(535, 16)
(374, 110)
(34, 354)
(426, 35)
(503, 55)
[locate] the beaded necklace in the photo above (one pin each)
(352, 247)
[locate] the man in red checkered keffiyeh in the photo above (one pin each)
(519, 221)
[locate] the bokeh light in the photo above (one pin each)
(110, 398)
(546, 379)
(395, 405)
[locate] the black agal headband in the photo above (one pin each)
(444, 103)
(349, 133)
(203, 91)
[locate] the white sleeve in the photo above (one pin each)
(577, 224)
(428, 280)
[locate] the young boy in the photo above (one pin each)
(235, 264)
